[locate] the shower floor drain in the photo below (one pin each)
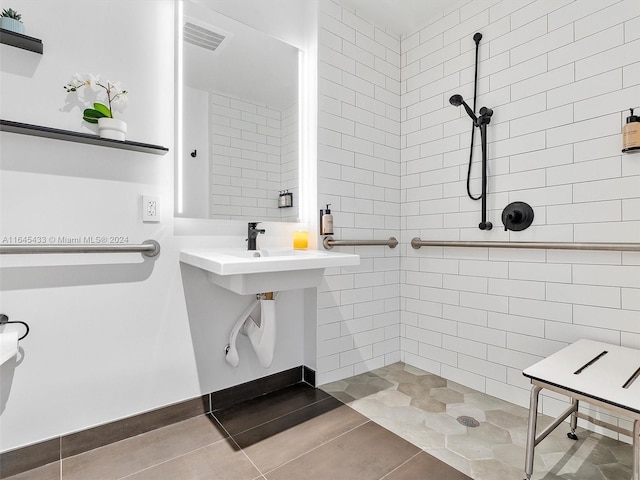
(468, 421)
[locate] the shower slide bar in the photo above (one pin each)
(329, 243)
(148, 248)
(618, 247)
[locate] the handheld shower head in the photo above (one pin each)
(456, 101)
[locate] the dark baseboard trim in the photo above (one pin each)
(33, 456)
(308, 376)
(85, 440)
(261, 386)
(27, 458)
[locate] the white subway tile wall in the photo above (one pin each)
(559, 79)
(393, 157)
(254, 156)
(359, 175)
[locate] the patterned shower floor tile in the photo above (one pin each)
(426, 410)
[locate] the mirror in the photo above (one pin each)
(240, 121)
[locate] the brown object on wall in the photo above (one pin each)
(631, 134)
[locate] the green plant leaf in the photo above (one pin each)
(102, 109)
(11, 13)
(90, 115)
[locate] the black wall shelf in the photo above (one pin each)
(47, 132)
(21, 41)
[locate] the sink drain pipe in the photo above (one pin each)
(262, 336)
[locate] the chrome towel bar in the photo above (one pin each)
(329, 243)
(148, 248)
(619, 247)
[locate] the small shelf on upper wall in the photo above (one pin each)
(21, 41)
(79, 137)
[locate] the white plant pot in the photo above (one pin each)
(12, 24)
(112, 128)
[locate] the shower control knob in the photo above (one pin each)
(517, 216)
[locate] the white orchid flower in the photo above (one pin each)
(116, 96)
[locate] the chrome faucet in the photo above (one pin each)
(252, 235)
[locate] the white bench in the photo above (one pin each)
(604, 375)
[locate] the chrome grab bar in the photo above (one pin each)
(148, 248)
(329, 243)
(619, 247)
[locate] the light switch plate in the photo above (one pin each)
(150, 208)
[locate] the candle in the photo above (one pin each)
(300, 240)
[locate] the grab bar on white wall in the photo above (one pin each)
(329, 243)
(619, 247)
(148, 248)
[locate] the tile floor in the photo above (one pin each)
(400, 424)
(423, 409)
(299, 432)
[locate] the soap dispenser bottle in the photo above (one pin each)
(326, 221)
(631, 133)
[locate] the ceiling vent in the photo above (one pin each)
(202, 37)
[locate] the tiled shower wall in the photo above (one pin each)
(247, 151)
(559, 76)
(359, 175)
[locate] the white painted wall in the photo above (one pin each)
(559, 76)
(111, 335)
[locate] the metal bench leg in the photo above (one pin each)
(574, 421)
(636, 450)
(531, 431)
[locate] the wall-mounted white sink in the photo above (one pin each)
(269, 270)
